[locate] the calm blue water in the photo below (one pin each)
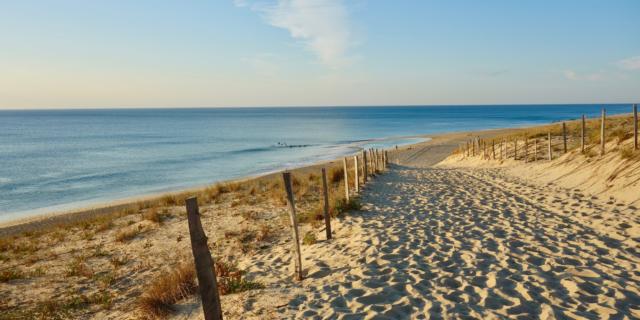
(52, 160)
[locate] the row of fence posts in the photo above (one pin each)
(372, 160)
(478, 146)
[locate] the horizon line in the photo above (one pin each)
(313, 106)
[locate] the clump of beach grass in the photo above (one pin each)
(309, 238)
(78, 267)
(164, 292)
(128, 233)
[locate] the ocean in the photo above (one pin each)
(53, 160)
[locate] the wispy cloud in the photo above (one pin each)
(572, 75)
(323, 26)
(632, 63)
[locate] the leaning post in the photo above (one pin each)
(493, 149)
(356, 173)
(325, 191)
(582, 131)
(526, 148)
(602, 126)
(564, 137)
(207, 283)
(365, 168)
(346, 179)
(635, 127)
(286, 176)
(549, 145)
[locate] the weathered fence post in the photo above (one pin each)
(493, 149)
(564, 137)
(582, 135)
(207, 283)
(346, 179)
(325, 191)
(549, 145)
(526, 149)
(502, 149)
(286, 176)
(372, 162)
(535, 149)
(635, 127)
(602, 125)
(365, 168)
(356, 173)
(473, 148)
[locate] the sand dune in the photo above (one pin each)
(455, 243)
(460, 243)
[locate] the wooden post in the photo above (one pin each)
(325, 190)
(602, 125)
(502, 149)
(374, 162)
(582, 135)
(207, 283)
(473, 148)
(535, 149)
(564, 136)
(635, 127)
(286, 176)
(549, 140)
(526, 149)
(365, 168)
(493, 149)
(355, 171)
(346, 179)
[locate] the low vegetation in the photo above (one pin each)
(618, 132)
(231, 279)
(101, 251)
(164, 292)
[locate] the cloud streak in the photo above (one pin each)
(322, 26)
(572, 75)
(632, 63)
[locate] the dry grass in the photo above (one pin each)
(164, 292)
(628, 153)
(154, 215)
(60, 307)
(127, 234)
(11, 274)
(618, 129)
(78, 267)
(115, 268)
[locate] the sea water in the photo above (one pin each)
(63, 159)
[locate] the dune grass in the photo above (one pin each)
(618, 130)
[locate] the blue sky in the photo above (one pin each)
(215, 53)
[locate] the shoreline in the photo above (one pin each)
(39, 221)
(121, 203)
(450, 139)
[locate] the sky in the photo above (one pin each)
(224, 53)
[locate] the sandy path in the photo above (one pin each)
(451, 243)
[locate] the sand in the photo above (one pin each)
(437, 237)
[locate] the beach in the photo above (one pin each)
(436, 235)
